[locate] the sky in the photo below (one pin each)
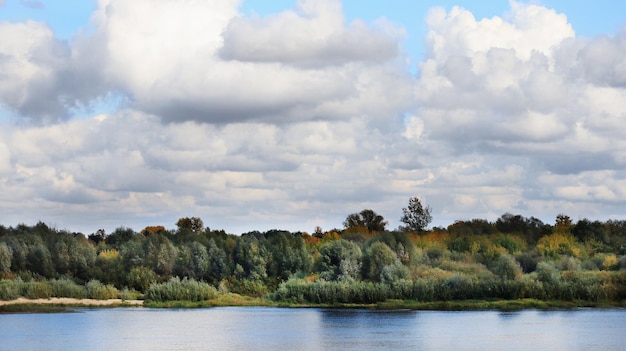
(258, 115)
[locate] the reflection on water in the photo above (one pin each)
(260, 328)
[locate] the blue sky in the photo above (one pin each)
(256, 115)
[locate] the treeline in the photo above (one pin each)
(513, 257)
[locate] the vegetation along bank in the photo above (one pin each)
(469, 264)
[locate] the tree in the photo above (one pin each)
(340, 260)
(376, 257)
(5, 258)
(193, 224)
(252, 257)
(288, 254)
(98, 236)
(415, 216)
(366, 218)
(531, 228)
(219, 266)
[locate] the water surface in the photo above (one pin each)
(261, 328)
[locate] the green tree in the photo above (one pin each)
(40, 261)
(161, 254)
(193, 224)
(288, 254)
(366, 218)
(119, 236)
(532, 229)
(252, 257)
(394, 272)
(140, 278)
(5, 258)
(82, 257)
(376, 257)
(219, 264)
(506, 267)
(340, 260)
(133, 253)
(416, 216)
(399, 242)
(199, 262)
(585, 230)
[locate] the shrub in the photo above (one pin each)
(141, 277)
(97, 290)
(610, 262)
(585, 285)
(9, 290)
(547, 273)
(127, 294)
(557, 244)
(435, 253)
(297, 290)
(394, 272)
(36, 290)
(568, 263)
(67, 288)
(250, 287)
(176, 289)
(528, 260)
(506, 267)
(622, 262)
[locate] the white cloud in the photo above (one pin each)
(250, 126)
(31, 61)
(523, 93)
(313, 35)
(209, 68)
(5, 159)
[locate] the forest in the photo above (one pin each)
(514, 257)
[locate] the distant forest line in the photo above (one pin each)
(514, 257)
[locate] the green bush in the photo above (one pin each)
(140, 278)
(36, 290)
(176, 289)
(296, 290)
(97, 290)
(67, 288)
(250, 287)
(9, 290)
(506, 267)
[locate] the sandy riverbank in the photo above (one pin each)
(72, 302)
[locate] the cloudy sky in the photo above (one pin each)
(295, 114)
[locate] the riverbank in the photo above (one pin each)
(59, 304)
(460, 305)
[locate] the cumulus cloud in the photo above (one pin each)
(250, 126)
(314, 35)
(206, 69)
(523, 92)
(526, 85)
(32, 62)
(131, 165)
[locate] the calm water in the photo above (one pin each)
(259, 328)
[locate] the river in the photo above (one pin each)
(262, 328)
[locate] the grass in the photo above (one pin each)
(227, 299)
(501, 305)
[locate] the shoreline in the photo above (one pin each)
(238, 300)
(67, 301)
